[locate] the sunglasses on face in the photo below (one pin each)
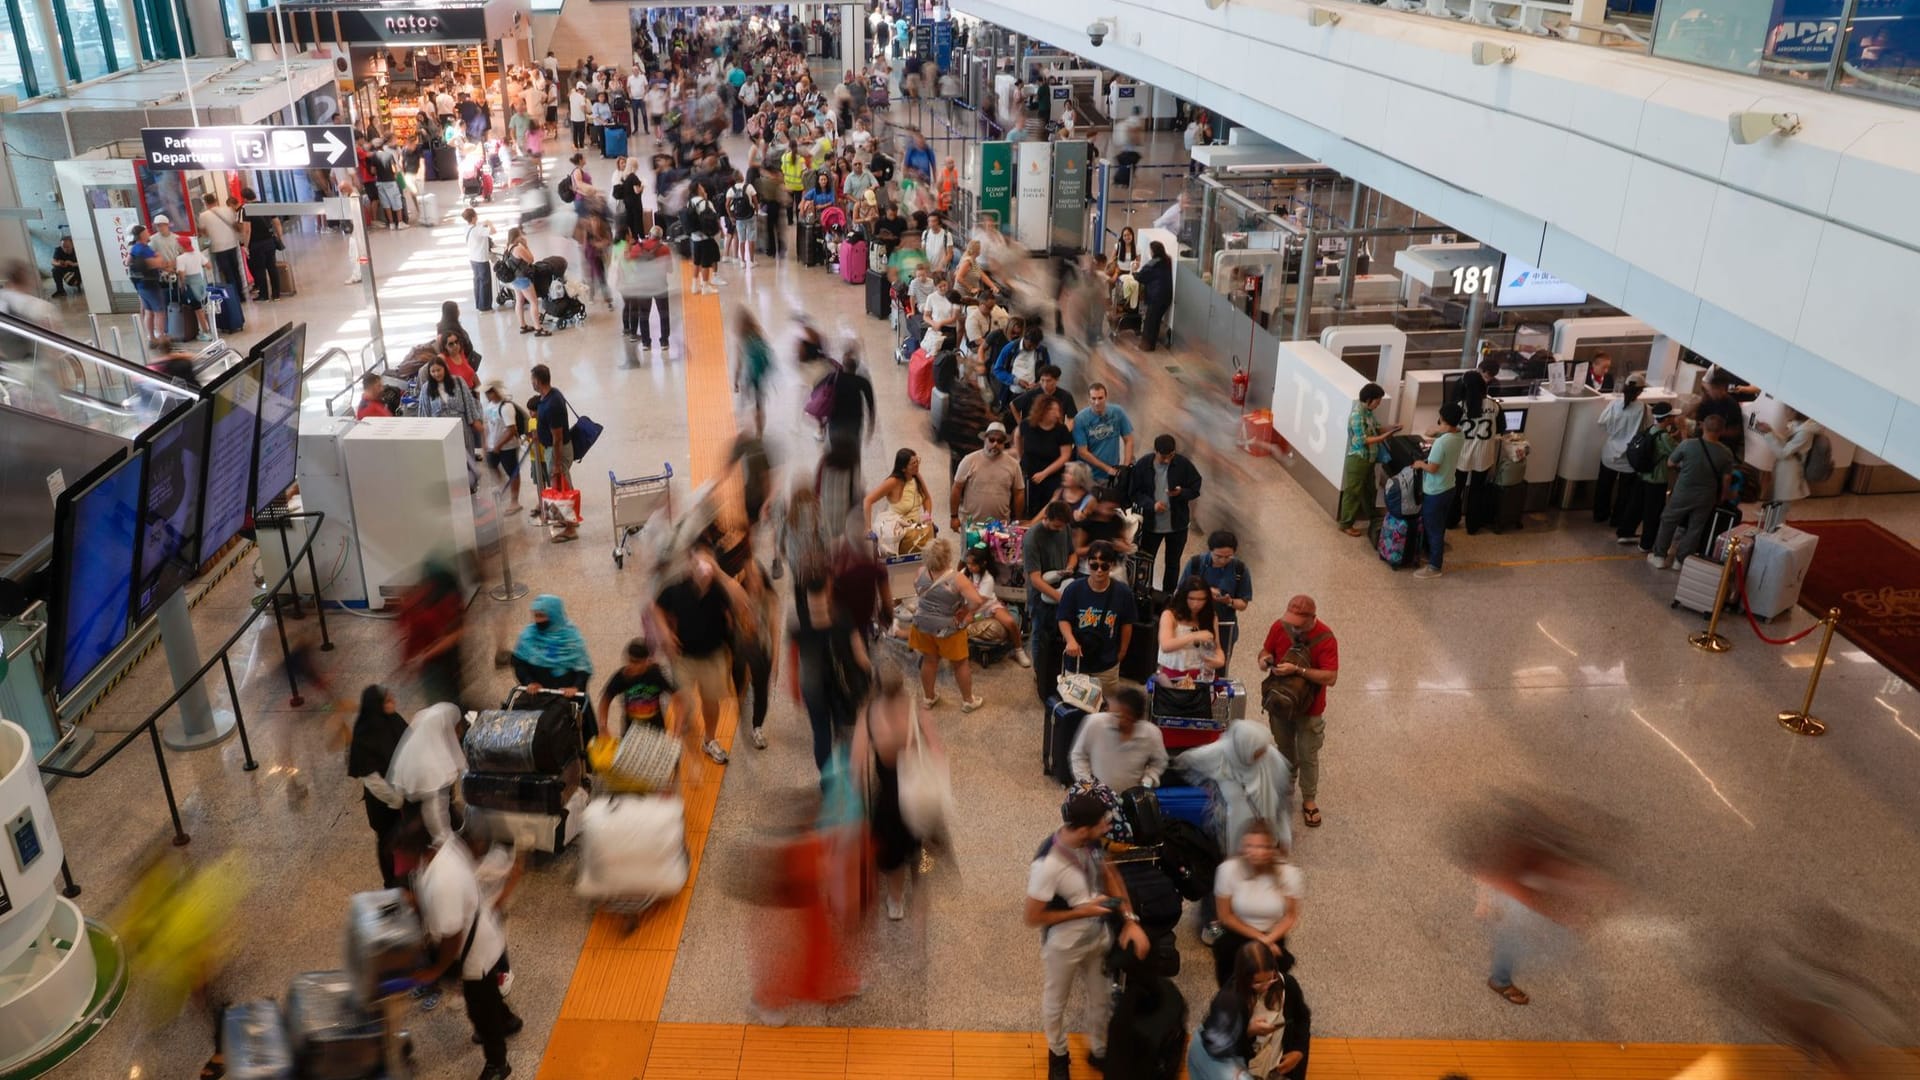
(1098, 564)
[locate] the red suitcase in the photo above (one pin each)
(920, 379)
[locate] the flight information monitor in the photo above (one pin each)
(280, 357)
(170, 507)
(231, 438)
(96, 527)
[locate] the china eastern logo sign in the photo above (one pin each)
(413, 24)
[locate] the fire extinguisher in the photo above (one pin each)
(1241, 380)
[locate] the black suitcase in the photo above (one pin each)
(1142, 808)
(540, 736)
(445, 164)
(879, 296)
(767, 240)
(1509, 504)
(806, 241)
(1143, 650)
(1402, 451)
(333, 1037)
(523, 793)
(1059, 728)
(1153, 895)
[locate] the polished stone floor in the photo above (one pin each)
(1542, 659)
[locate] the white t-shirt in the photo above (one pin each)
(937, 244)
(450, 893)
(1259, 900)
(218, 230)
(444, 104)
(577, 107)
(190, 264)
(1069, 875)
(498, 416)
(479, 244)
(534, 100)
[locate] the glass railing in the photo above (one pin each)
(1868, 48)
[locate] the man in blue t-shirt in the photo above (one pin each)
(1436, 488)
(1095, 618)
(551, 431)
(900, 35)
(1103, 436)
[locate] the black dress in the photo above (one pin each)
(893, 843)
(375, 738)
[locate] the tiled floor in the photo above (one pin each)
(1541, 659)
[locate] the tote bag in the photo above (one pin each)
(926, 784)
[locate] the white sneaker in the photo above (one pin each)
(1626, 539)
(1426, 572)
(896, 908)
(713, 751)
(766, 1017)
(716, 283)
(928, 703)
(1021, 657)
(1211, 933)
(759, 739)
(1659, 562)
(972, 703)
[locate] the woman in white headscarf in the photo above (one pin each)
(428, 764)
(1251, 782)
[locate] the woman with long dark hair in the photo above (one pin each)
(376, 735)
(905, 521)
(1616, 490)
(444, 394)
(1480, 429)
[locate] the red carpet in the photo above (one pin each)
(1873, 577)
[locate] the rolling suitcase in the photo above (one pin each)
(1776, 569)
(532, 831)
(764, 238)
(333, 1038)
(853, 261)
(254, 1040)
(526, 793)
(386, 946)
(181, 323)
(429, 208)
(543, 738)
(616, 142)
(1142, 811)
(1151, 893)
(445, 163)
(1229, 700)
(1059, 728)
(1142, 657)
(920, 379)
(1399, 541)
(1179, 803)
(806, 240)
(228, 315)
(1699, 583)
(879, 297)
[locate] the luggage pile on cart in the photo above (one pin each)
(1195, 717)
(524, 778)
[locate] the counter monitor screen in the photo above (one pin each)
(231, 439)
(170, 508)
(95, 531)
(280, 357)
(1522, 285)
(1515, 419)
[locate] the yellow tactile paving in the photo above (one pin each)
(609, 1025)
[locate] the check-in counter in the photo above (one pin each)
(1313, 392)
(1579, 464)
(1540, 416)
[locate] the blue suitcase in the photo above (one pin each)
(1059, 729)
(228, 315)
(616, 142)
(1188, 804)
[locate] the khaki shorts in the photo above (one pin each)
(952, 647)
(712, 675)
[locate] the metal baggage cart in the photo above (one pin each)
(635, 501)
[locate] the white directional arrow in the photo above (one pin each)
(332, 146)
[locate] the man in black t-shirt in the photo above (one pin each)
(697, 615)
(1049, 376)
(1719, 401)
(555, 439)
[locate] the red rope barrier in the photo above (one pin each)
(1755, 623)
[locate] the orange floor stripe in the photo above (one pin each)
(609, 1025)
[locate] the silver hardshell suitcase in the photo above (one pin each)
(385, 944)
(254, 1040)
(1699, 583)
(333, 1037)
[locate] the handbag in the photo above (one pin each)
(1080, 690)
(1190, 702)
(820, 401)
(926, 785)
(644, 760)
(584, 433)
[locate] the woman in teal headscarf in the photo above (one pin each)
(552, 655)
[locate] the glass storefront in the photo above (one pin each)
(1882, 54)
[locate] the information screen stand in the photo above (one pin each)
(198, 724)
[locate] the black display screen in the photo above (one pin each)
(280, 358)
(170, 508)
(231, 437)
(96, 528)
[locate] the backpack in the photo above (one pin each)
(739, 207)
(1286, 697)
(1816, 464)
(565, 190)
(1643, 452)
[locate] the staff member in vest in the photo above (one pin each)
(793, 173)
(1300, 737)
(1074, 896)
(479, 241)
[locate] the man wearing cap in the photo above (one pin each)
(987, 486)
(1076, 898)
(1300, 737)
(163, 241)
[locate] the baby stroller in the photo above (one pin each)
(476, 179)
(833, 230)
(1123, 306)
(558, 304)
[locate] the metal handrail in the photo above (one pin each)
(321, 361)
(151, 725)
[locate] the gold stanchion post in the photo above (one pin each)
(1802, 721)
(1710, 639)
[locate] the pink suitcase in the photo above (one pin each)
(853, 262)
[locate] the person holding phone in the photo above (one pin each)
(1365, 446)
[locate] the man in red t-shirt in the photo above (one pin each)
(1300, 737)
(373, 391)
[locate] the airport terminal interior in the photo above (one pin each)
(1610, 775)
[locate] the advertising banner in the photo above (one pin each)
(1070, 158)
(114, 226)
(1032, 184)
(996, 181)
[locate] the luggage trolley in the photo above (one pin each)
(902, 572)
(635, 500)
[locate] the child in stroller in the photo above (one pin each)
(557, 300)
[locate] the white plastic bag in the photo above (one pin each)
(632, 846)
(926, 785)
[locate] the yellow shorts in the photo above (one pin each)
(951, 647)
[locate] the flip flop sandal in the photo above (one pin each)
(1311, 816)
(1511, 992)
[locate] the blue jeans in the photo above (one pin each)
(1434, 509)
(482, 285)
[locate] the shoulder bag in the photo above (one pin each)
(926, 784)
(584, 433)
